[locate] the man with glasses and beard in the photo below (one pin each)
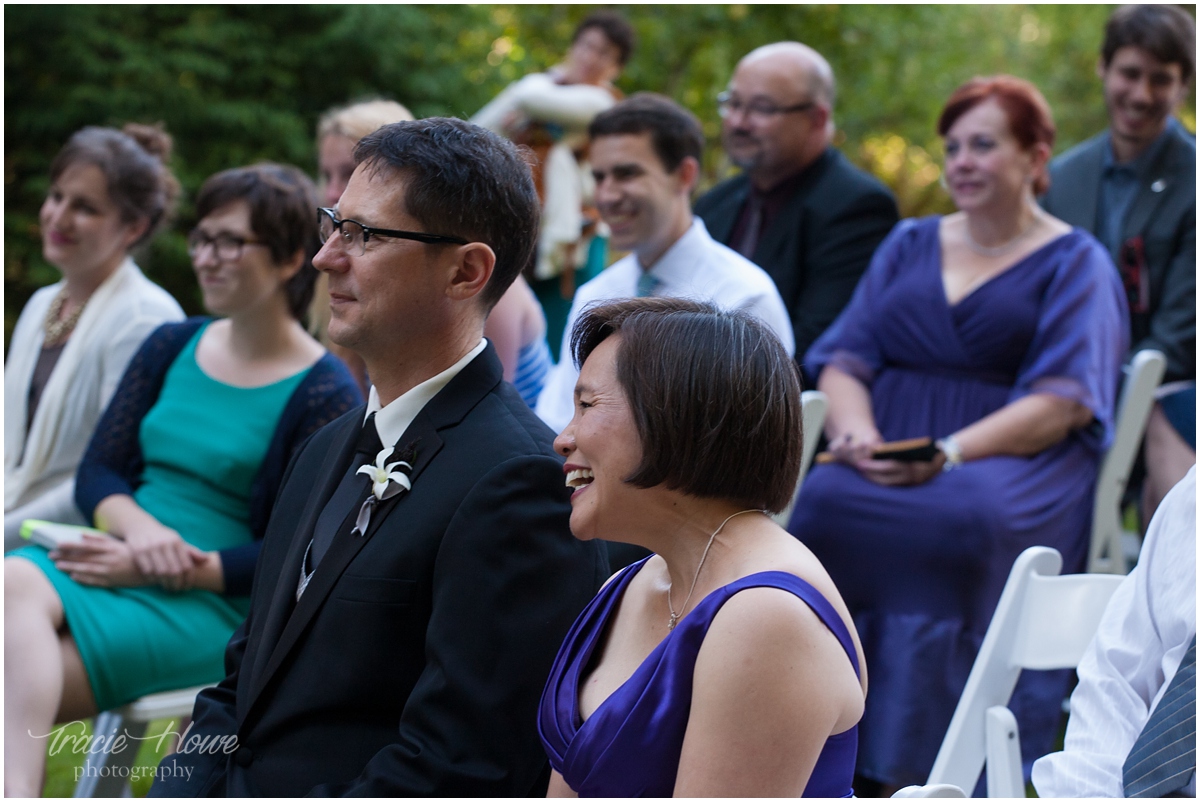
(799, 209)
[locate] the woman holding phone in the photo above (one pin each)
(997, 332)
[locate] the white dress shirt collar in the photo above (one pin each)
(392, 421)
(677, 265)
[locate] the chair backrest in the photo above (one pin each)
(813, 404)
(944, 791)
(1042, 621)
(1145, 371)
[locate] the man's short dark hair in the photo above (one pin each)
(1167, 32)
(714, 395)
(283, 216)
(465, 181)
(674, 131)
(615, 28)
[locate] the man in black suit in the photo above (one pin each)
(1134, 187)
(799, 209)
(403, 621)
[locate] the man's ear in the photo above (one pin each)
(1101, 68)
(689, 173)
(472, 270)
(821, 116)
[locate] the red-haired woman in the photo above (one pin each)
(998, 331)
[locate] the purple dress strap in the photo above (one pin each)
(630, 746)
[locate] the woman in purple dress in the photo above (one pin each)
(999, 331)
(725, 664)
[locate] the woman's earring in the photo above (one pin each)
(942, 181)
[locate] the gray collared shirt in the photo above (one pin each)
(1119, 185)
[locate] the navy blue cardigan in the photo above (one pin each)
(113, 461)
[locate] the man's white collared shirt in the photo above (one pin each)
(393, 420)
(696, 266)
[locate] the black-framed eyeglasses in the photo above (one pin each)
(355, 235)
(728, 105)
(227, 247)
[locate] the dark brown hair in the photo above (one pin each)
(1028, 113)
(283, 216)
(675, 133)
(1166, 32)
(714, 396)
(464, 181)
(615, 28)
(133, 161)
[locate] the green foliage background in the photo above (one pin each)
(236, 84)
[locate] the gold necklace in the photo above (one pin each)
(676, 616)
(1005, 247)
(58, 330)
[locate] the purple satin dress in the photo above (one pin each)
(630, 746)
(921, 568)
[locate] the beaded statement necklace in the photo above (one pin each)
(57, 330)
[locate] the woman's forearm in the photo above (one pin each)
(1023, 427)
(119, 514)
(209, 574)
(849, 403)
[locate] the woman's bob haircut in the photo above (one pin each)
(714, 396)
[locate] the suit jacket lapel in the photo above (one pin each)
(283, 599)
(776, 249)
(447, 408)
(1082, 194)
(1147, 200)
(726, 213)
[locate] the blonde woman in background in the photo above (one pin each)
(338, 131)
(110, 191)
(516, 326)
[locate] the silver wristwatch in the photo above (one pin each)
(953, 452)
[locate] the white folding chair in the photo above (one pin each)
(813, 405)
(943, 791)
(1043, 621)
(107, 773)
(1112, 547)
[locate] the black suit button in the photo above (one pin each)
(243, 756)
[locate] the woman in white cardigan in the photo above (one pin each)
(109, 191)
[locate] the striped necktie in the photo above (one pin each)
(1163, 758)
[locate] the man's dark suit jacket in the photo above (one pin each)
(414, 661)
(819, 244)
(1163, 213)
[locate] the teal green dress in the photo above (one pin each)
(203, 442)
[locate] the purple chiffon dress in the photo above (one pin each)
(922, 567)
(630, 745)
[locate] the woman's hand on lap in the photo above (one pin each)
(161, 555)
(892, 472)
(854, 446)
(99, 561)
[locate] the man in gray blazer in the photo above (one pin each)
(1134, 187)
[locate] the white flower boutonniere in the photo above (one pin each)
(388, 479)
(382, 475)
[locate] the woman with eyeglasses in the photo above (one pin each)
(182, 473)
(110, 192)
